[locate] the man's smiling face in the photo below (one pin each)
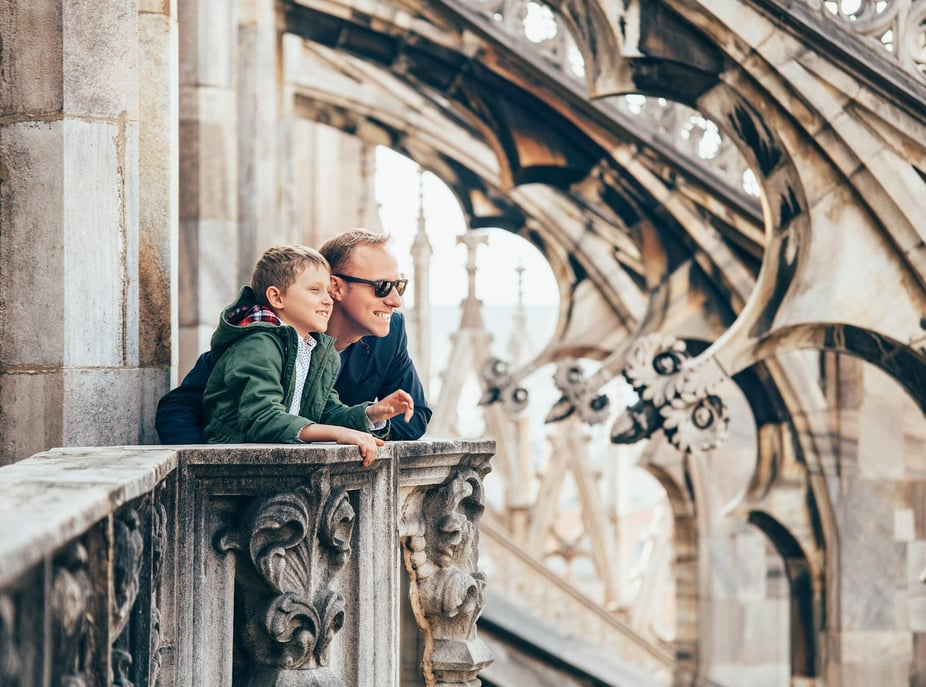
(360, 311)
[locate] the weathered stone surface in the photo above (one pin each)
(32, 54)
(100, 59)
(32, 216)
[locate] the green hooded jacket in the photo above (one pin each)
(252, 384)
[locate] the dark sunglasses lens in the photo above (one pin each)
(384, 288)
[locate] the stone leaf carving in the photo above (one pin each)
(128, 547)
(158, 548)
(448, 592)
(71, 591)
(675, 395)
(290, 547)
(578, 394)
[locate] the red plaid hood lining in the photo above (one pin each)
(250, 314)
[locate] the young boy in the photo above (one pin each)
(275, 371)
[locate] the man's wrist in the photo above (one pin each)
(373, 425)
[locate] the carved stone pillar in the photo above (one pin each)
(440, 539)
(290, 547)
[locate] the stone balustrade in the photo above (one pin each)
(243, 565)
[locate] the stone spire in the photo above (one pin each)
(421, 257)
(518, 344)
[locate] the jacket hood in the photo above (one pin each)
(233, 325)
(237, 321)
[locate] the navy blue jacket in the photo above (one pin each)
(373, 367)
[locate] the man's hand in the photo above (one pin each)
(398, 401)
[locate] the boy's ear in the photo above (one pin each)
(274, 296)
(336, 289)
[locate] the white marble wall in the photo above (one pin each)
(74, 308)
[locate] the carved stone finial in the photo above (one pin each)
(578, 394)
(448, 593)
(499, 386)
(674, 395)
(290, 548)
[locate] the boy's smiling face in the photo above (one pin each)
(305, 305)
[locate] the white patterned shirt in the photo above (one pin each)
(303, 359)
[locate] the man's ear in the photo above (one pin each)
(274, 296)
(336, 291)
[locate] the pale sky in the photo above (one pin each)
(496, 280)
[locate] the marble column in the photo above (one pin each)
(208, 276)
(73, 372)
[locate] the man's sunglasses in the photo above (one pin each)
(381, 287)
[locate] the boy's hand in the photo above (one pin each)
(398, 401)
(367, 443)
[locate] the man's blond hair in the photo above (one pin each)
(279, 266)
(338, 248)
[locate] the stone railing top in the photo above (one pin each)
(53, 497)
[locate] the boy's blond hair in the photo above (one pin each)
(338, 248)
(279, 266)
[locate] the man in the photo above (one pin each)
(369, 334)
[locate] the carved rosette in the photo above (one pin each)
(441, 544)
(577, 395)
(675, 395)
(499, 386)
(290, 547)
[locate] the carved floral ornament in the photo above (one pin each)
(499, 385)
(578, 394)
(291, 546)
(675, 395)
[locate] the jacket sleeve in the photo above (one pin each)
(355, 417)
(401, 374)
(179, 418)
(251, 372)
(336, 412)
